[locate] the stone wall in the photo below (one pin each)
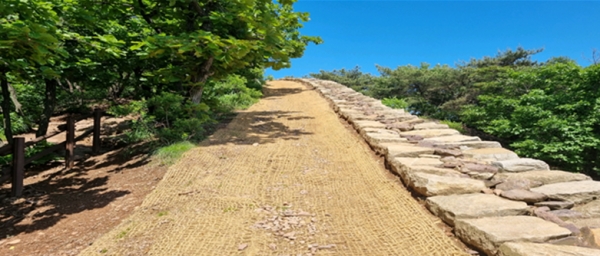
(496, 202)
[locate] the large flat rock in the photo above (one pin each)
(434, 185)
(521, 165)
(368, 124)
(430, 133)
(468, 145)
(407, 118)
(355, 117)
(555, 205)
(381, 148)
(585, 222)
(345, 109)
(523, 195)
(412, 121)
(402, 166)
(415, 161)
(543, 177)
(589, 210)
(405, 150)
(453, 139)
(378, 130)
(490, 154)
(575, 191)
(469, 206)
(535, 249)
(343, 102)
(406, 173)
(430, 125)
(508, 184)
(487, 234)
(436, 171)
(376, 139)
(391, 112)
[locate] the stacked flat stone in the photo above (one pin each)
(496, 201)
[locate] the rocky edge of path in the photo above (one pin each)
(496, 201)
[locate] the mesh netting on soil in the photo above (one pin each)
(284, 177)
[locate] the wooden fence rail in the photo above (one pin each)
(16, 173)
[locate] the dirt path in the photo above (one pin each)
(63, 211)
(285, 177)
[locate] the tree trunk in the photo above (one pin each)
(200, 78)
(6, 107)
(197, 95)
(49, 104)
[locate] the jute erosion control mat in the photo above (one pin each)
(285, 177)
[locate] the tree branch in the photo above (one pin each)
(206, 26)
(13, 97)
(204, 71)
(146, 16)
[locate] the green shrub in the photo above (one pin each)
(395, 103)
(126, 109)
(19, 125)
(556, 117)
(142, 128)
(184, 129)
(167, 107)
(353, 78)
(30, 151)
(230, 94)
(454, 125)
(167, 117)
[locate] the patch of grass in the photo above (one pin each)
(123, 233)
(162, 213)
(230, 209)
(170, 154)
(104, 250)
(454, 125)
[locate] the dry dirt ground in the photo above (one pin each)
(285, 177)
(64, 211)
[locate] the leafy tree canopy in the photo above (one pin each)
(548, 110)
(66, 54)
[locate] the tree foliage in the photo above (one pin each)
(548, 110)
(162, 56)
(352, 78)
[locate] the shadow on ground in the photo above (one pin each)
(53, 193)
(262, 126)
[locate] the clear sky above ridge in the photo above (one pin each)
(394, 33)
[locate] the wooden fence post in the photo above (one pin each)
(96, 137)
(70, 143)
(18, 168)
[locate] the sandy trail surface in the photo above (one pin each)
(285, 177)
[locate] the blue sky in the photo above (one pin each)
(394, 33)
